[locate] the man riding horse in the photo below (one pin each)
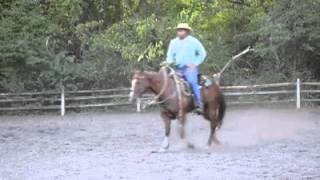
(187, 53)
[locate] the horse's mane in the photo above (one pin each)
(152, 74)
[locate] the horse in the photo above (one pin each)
(176, 105)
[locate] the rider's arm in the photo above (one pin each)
(200, 52)
(170, 53)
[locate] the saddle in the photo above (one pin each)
(203, 80)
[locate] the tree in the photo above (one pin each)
(83, 43)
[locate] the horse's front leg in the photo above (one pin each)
(181, 130)
(181, 126)
(167, 125)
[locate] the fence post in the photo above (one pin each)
(63, 108)
(298, 101)
(138, 105)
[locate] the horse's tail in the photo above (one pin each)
(221, 111)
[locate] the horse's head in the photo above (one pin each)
(139, 85)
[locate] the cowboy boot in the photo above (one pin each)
(199, 109)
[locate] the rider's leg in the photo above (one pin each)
(191, 74)
(180, 71)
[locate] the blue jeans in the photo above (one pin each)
(191, 75)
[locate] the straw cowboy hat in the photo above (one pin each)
(184, 26)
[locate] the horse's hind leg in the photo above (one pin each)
(213, 118)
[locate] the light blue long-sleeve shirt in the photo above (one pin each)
(186, 51)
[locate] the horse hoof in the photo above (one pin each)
(161, 150)
(165, 146)
(190, 146)
(217, 142)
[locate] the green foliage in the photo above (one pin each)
(97, 43)
(134, 40)
(22, 47)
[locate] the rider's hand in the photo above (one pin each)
(164, 63)
(191, 66)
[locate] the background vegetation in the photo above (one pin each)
(97, 43)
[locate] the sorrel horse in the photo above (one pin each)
(175, 105)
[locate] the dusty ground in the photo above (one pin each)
(256, 144)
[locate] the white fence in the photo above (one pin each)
(289, 92)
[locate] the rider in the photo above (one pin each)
(187, 53)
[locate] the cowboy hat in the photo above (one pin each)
(184, 26)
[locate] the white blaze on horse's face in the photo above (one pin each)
(133, 87)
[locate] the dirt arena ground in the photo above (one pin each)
(256, 144)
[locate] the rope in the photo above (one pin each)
(165, 85)
(176, 79)
(184, 85)
(218, 75)
(164, 88)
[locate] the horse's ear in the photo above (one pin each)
(137, 71)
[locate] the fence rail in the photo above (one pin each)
(288, 92)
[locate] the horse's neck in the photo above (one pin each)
(157, 82)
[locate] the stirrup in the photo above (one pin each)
(199, 110)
